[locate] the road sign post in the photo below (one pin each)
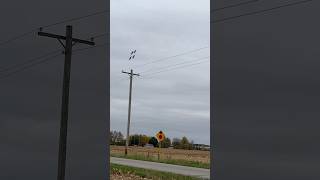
(160, 137)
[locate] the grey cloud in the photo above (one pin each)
(176, 101)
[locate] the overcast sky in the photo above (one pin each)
(30, 103)
(266, 95)
(175, 101)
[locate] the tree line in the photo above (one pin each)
(117, 138)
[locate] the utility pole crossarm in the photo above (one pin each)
(83, 41)
(51, 35)
(59, 37)
(130, 73)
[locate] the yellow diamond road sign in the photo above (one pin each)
(160, 136)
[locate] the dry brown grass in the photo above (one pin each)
(126, 177)
(165, 153)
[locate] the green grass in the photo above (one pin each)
(151, 174)
(167, 161)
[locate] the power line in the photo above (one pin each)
(235, 5)
(105, 11)
(200, 62)
(165, 68)
(170, 57)
(259, 12)
(10, 67)
(99, 35)
(16, 37)
(28, 66)
(82, 49)
(96, 36)
(172, 65)
(19, 36)
(75, 18)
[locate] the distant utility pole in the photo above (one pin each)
(69, 42)
(131, 74)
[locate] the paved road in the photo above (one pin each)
(183, 170)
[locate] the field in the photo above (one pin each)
(120, 172)
(194, 158)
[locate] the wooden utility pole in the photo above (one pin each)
(69, 42)
(131, 74)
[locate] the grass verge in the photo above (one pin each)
(167, 161)
(150, 174)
